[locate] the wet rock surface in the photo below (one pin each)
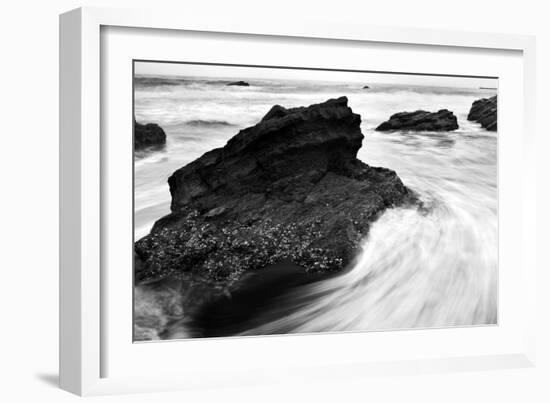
(288, 189)
(148, 135)
(442, 120)
(484, 112)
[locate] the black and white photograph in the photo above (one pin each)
(272, 200)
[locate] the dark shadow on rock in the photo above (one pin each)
(260, 297)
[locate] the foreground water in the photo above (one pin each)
(418, 268)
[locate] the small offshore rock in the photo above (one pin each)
(148, 135)
(484, 112)
(442, 120)
(239, 84)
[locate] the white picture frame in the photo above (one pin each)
(83, 343)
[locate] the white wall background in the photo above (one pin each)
(29, 201)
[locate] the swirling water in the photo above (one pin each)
(430, 267)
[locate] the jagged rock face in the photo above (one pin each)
(443, 120)
(281, 156)
(289, 187)
(484, 112)
(148, 135)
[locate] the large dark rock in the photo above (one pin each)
(148, 135)
(289, 188)
(443, 120)
(239, 84)
(484, 112)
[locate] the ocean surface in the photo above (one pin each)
(431, 268)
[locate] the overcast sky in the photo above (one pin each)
(250, 73)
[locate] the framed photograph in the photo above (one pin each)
(243, 202)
